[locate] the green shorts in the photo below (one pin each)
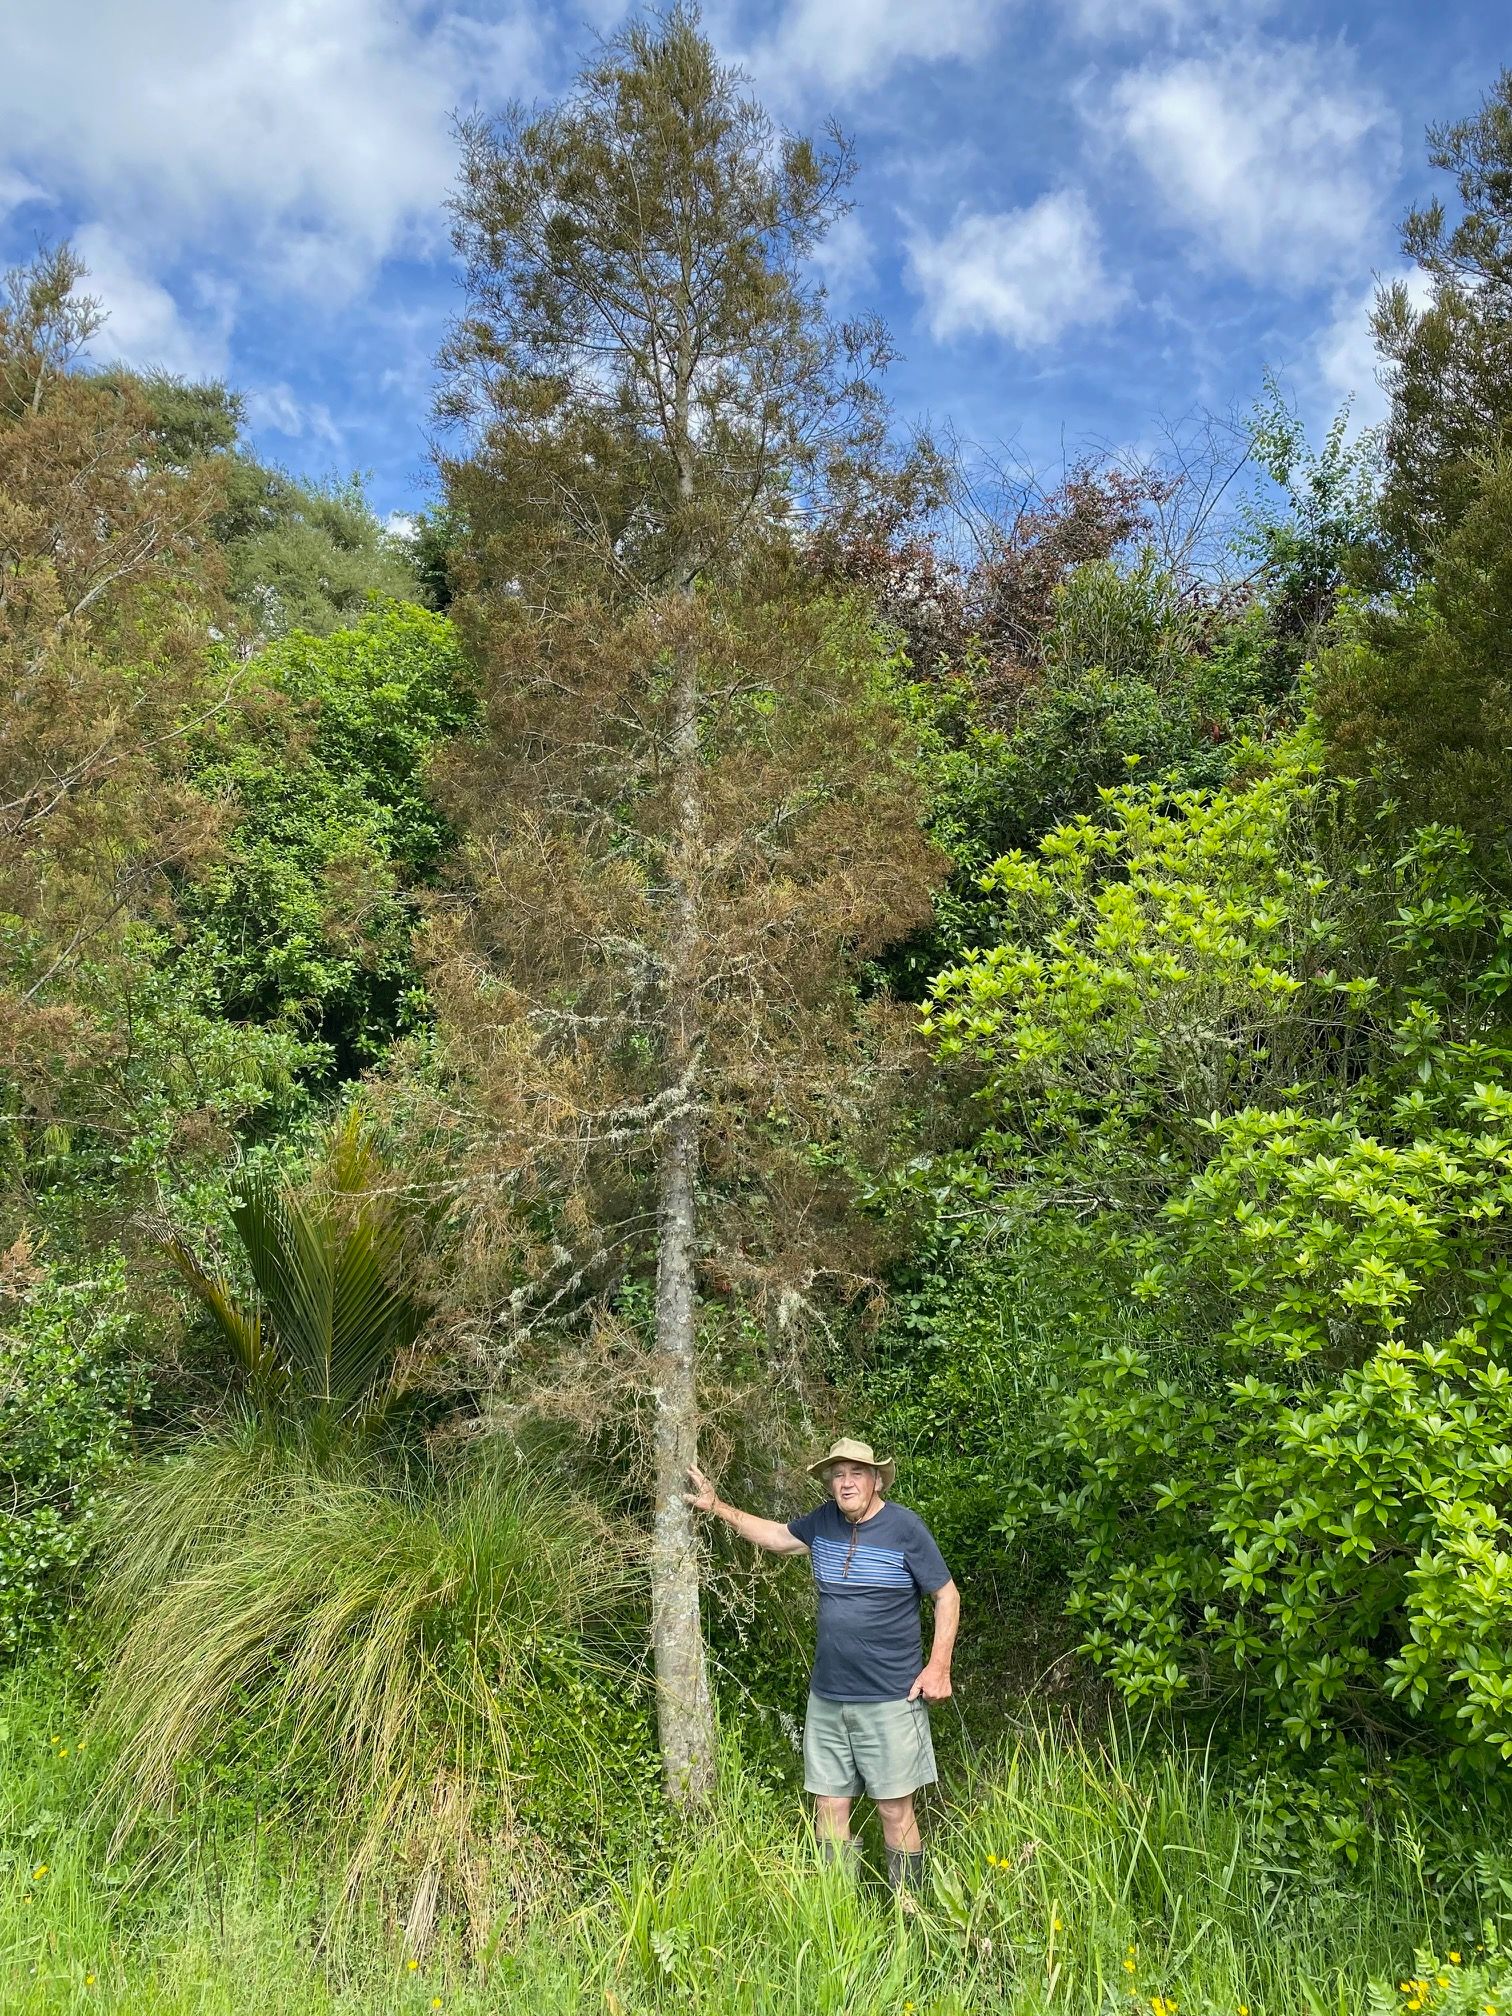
(879, 1747)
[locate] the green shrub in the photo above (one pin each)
(306, 920)
(1273, 1100)
(66, 1386)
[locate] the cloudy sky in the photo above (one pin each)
(1080, 217)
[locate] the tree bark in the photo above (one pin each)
(685, 1716)
(685, 1719)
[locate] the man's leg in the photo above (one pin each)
(905, 1848)
(832, 1818)
(829, 1772)
(900, 1826)
(832, 1826)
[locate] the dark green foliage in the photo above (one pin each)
(298, 553)
(1136, 683)
(1449, 364)
(1418, 694)
(306, 920)
(306, 556)
(66, 1384)
(1319, 533)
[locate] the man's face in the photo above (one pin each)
(853, 1486)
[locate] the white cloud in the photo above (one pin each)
(310, 135)
(276, 409)
(16, 189)
(1132, 18)
(1267, 151)
(146, 327)
(1344, 352)
(1027, 274)
(862, 42)
(846, 260)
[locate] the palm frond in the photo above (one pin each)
(328, 1258)
(242, 1329)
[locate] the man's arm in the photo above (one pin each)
(934, 1682)
(768, 1533)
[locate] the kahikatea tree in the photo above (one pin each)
(1416, 694)
(691, 813)
(1448, 365)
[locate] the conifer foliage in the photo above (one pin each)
(691, 813)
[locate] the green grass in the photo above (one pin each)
(1047, 1875)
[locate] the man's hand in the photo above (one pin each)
(702, 1496)
(933, 1684)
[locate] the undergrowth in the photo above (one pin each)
(1119, 1878)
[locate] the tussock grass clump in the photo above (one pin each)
(383, 1649)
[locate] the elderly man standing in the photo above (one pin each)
(867, 1726)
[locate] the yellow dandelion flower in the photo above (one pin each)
(1130, 1967)
(1442, 1980)
(992, 1861)
(89, 1980)
(40, 1870)
(1244, 2009)
(55, 1739)
(1454, 1959)
(1056, 1925)
(413, 1965)
(64, 1751)
(435, 2001)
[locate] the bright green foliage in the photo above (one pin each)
(306, 920)
(66, 1384)
(336, 1316)
(1142, 976)
(1274, 1090)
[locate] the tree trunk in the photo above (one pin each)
(685, 1716)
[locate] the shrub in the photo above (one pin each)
(1277, 1096)
(66, 1384)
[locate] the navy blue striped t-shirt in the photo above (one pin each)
(869, 1647)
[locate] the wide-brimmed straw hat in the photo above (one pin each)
(847, 1451)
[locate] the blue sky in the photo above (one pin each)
(1081, 219)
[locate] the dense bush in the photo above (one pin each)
(306, 920)
(66, 1385)
(1278, 1451)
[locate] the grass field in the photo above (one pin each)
(1068, 1878)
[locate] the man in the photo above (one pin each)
(867, 1724)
